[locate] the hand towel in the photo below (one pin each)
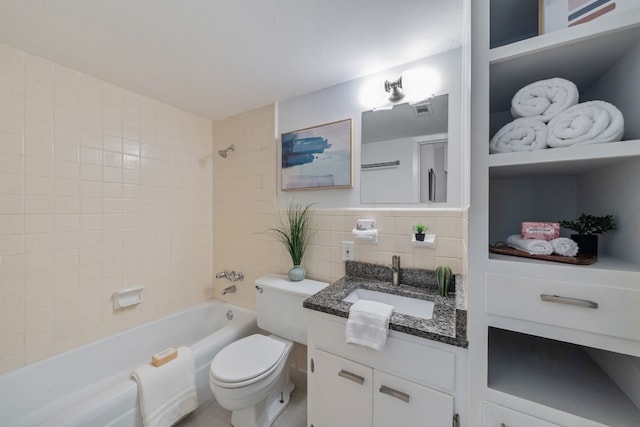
(368, 323)
(168, 392)
(525, 134)
(564, 246)
(532, 246)
(544, 99)
(586, 123)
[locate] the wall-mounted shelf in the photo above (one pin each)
(429, 241)
(127, 297)
(365, 236)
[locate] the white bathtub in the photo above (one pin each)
(90, 385)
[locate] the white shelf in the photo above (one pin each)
(428, 242)
(580, 54)
(572, 160)
(603, 263)
(558, 375)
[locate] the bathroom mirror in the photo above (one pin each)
(404, 153)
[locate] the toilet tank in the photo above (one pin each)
(279, 305)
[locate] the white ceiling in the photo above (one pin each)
(218, 58)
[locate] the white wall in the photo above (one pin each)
(397, 184)
(343, 101)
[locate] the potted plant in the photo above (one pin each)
(444, 275)
(587, 228)
(419, 230)
(294, 233)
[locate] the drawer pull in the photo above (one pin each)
(351, 376)
(394, 393)
(567, 300)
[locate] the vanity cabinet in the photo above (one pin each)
(409, 383)
(554, 343)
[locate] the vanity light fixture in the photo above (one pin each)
(395, 88)
(414, 85)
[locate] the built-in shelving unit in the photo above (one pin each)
(553, 361)
(559, 375)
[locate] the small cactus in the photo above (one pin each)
(443, 279)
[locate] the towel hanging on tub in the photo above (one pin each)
(168, 392)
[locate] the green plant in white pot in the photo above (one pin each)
(294, 233)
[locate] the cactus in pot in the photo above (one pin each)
(444, 275)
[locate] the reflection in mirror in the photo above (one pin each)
(404, 153)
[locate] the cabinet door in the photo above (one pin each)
(339, 391)
(499, 416)
(401, 403)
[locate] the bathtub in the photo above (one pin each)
(90, 385)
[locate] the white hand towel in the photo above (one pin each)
(525, 134)
(590, 122)
(168, 392)
(564, 246)
(544, 99)
(368, 323)
(532, 246)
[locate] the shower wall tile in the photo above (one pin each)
(86, 207)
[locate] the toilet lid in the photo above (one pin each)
(246, 358)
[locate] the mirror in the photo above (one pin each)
(404, 153)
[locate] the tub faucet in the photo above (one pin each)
(395, 269)
(230, 276)
(229, 290)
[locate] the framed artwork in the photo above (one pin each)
(558, 14)
(319, 157)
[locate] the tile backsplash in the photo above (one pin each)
(100, 189)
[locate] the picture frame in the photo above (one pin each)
(559, 14)
(318, 157)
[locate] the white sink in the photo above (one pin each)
(404, 305)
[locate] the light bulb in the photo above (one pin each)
(420, 83)
(372, 94)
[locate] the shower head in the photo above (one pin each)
(223, 153)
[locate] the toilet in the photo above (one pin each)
(250, 376)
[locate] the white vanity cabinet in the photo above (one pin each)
(412, 382)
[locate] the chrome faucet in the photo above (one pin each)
(230, 276)
(395, 269)
(229, 289)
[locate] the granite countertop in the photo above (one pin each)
(449, 321)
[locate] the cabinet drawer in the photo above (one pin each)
(499, 416)
(420, 363)
(592, 308)
(401, 403)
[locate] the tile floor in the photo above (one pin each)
(212, 415)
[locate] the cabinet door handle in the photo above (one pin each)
(394, 393)
(351, 376)
(570, 301)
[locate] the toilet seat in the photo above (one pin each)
(246, 361)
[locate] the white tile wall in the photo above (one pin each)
(245, 208)
(100, 189)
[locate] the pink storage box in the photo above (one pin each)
(540, 230)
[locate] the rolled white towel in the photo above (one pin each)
(532, 246)
(586, 123)
(544, 99)
(564, 246)
(525, 134)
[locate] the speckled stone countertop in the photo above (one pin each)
(449, 321)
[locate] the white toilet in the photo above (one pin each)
(250, 377)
